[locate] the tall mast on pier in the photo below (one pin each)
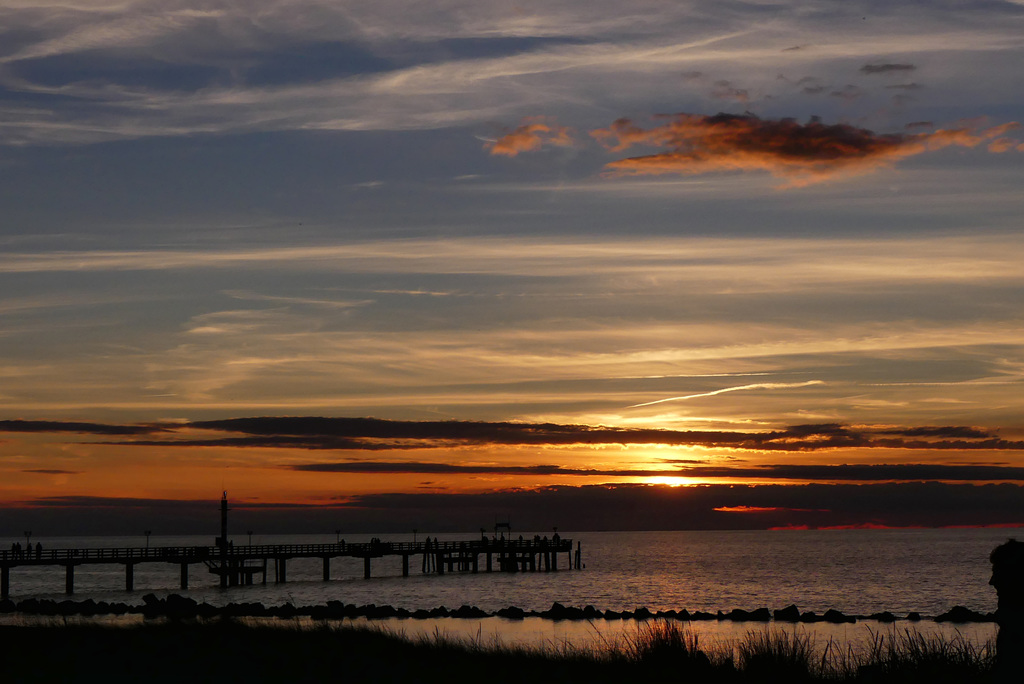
(222, 540)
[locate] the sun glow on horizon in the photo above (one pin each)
(672, 481)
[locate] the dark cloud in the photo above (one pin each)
(886, 68)
(725, 90)
(905, 86)
(802, 153)
(453, 469)
(49, 471)
(374, 434)
(848, 92)
(82, 428)
(956, 432)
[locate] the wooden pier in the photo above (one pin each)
(238, 565)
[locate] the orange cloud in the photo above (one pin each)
(802, 153)
(768, 509)
(530, 136)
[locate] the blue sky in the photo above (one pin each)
(212, 210)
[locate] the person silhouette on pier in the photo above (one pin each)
(1008, 579)
(39, 551)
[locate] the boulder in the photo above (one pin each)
(512, 613)
(468, 612)
(962, 614)
(180, 607)
(642, 613)
(834, 616)
(737, 615)
(788, 614)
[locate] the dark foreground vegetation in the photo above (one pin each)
(229, 650)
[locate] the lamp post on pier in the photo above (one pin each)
(249, 532)
(414, 531)
(28, 538)
(337, 536)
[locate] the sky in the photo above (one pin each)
(597, 265)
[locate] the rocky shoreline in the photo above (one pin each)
(178, 607)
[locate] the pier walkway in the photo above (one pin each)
(237, 565)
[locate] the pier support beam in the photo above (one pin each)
(405, 565)
(280, 570)
(327, 569)
(184, 576)
(69, 579)
(5, 583)
(366, 567)
(129, 576)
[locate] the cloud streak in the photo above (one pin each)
(739, 388)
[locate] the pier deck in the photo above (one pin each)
(236, 565)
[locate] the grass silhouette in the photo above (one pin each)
(227, 650)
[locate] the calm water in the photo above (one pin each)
(854, 571)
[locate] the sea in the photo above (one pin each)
(857, 572)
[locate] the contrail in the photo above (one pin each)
(762, 385)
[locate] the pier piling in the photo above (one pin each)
(69, 579)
